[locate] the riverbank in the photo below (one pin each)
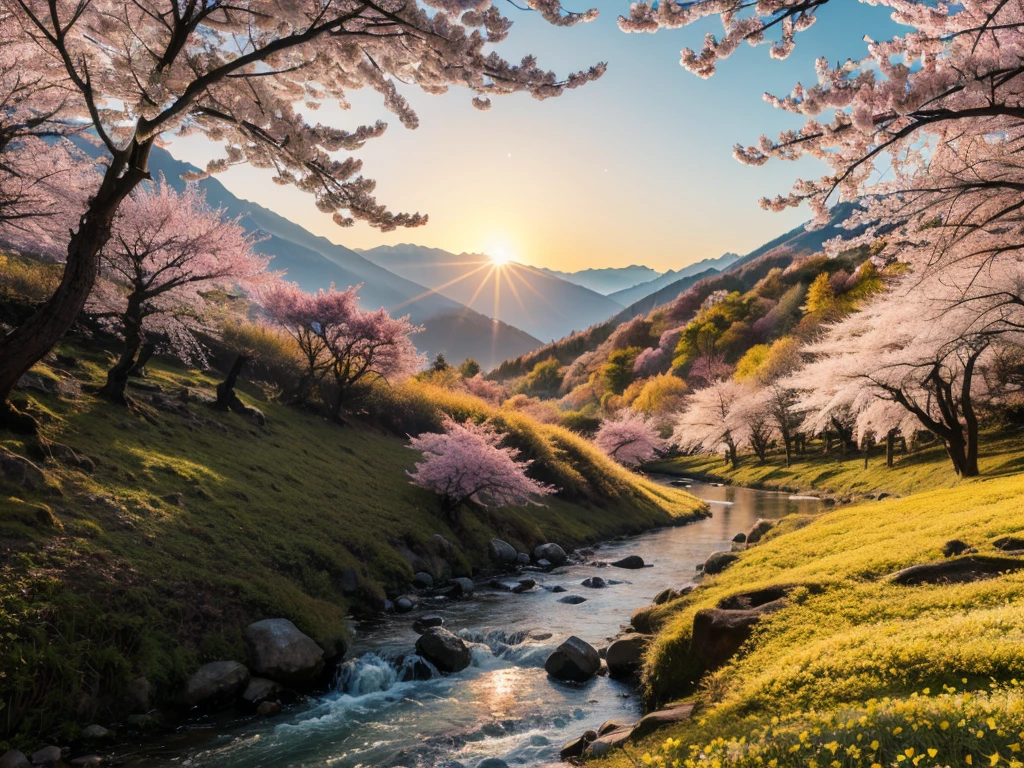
(817, 473)
(847, 665)
(148, 539)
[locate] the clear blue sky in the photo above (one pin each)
(635, 168)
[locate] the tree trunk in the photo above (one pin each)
(27, 344)
(116, 387)
(226, 396)
(145, 354)
(890, 444)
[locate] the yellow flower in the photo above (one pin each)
(932, 752)
(993, 759)
(969, 760)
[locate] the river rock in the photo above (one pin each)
(556, 588)
(463, 587)
(625, 655)
(492, 762)
(576, 747)
(524, 585)
(719, 633)
(718, 562)
(522, 558)
(643, 620)
(413, 667)
(632, 563)
(404, 604)
(651, 722)
(574, 660)
(444, 650)
(215, 684)
(12, 758)
(47, 756)
(259, 690)
(572, 599)
(759, 529)
(594, 582)
(740, 538)
(610, 725)
(603, 745)
(501, 553)
(423, 580)
(424, 623)
(553, 553)
(95, 732)
(279, 651)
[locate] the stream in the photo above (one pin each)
(504, 705)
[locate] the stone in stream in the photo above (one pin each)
(404, 604)
(718, 562)
(522, 559)
(423, 580)
(47, 756)
(572, 599)
(423, 623)
(575, 660)
(463, 587)
(12, 758)
(576, 747)
(95, 732)
(501, 553)
(492, 762)
(215, 684)
(594, 582)
(446, 651)
(279, 651)
(632, 563)
(625, 655)
(555, 588)
(740, 538)
(524, 585)
(260, 690)
(553, 553)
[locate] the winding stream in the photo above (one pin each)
(504, 706)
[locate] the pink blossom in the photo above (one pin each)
(629, 438)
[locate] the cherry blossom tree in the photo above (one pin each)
(341, 343)
(466, 462)
(167, 250)
(629, 438)
(235, 71)
(709, 422)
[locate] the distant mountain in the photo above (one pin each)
(543, 305)
(315, 262)
(644, 305)
(636, 292)
(607, 280)
(801, 240)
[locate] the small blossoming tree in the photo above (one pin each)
(629, 438)
(466, 462)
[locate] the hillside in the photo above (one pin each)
(184, 524)
(543, 305)
(855, 664)
(640, 291)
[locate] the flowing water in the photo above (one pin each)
(504, 705)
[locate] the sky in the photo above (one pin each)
(635, 168)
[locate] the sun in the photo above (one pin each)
(500, 254)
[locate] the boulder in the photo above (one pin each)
(956, 547)
(958, 571)
(404, 604)
(574, 660)
(444, 650)
(492, 762)
(626, 654)
(463, 587)
(524, 585)
(215, 684)
(423, 580)
(643, 620)
(424, 623)
(47, 756)
(576, 747)
(604, 745)
(594, 582)
(718, 633)
(268, 709)
(718, 562)
(1009, 543)
(95, 732)
(279, 651)
(668, 595)
(501, 553)
(632, 563)
(553, 553)
(651, 722)
(260, 690)
(557, 588)
(740, 538)
(522, 559)
(572, 599)
(20, 471)
(759, 529)
(610, 725)
(12, 758)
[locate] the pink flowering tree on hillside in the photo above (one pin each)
(168, 249)
(238, 72)
(341, 343)
(629, 438)
(466, 462)
(724, 417)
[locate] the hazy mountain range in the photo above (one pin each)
(609, 279)
(636, 291)
(537, 301)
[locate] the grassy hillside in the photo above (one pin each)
(195, 523)
(815, 472)
(857, 670)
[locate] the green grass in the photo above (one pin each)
(814, 472)
(106, 576)
(855, 659)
